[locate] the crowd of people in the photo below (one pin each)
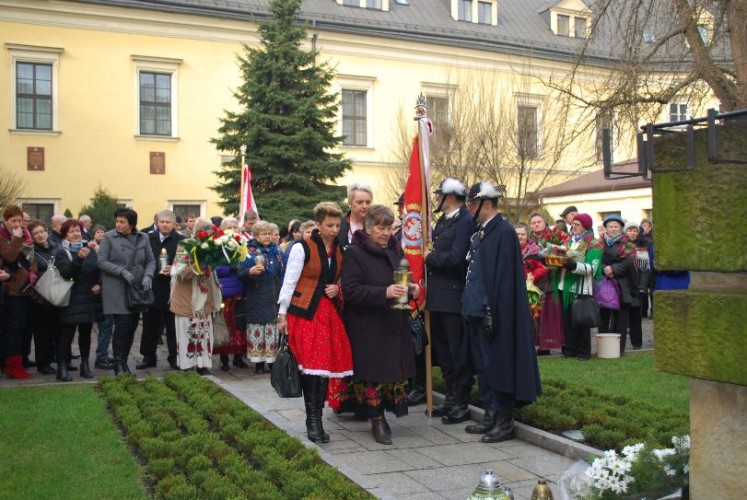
(328, 286)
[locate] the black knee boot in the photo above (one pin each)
(119, 347)
(321, 397)
(310, 386)
(63, 355)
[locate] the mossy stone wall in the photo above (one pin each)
(700, 215)
(702, 334)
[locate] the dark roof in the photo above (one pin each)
(595, 182)
(521, 28)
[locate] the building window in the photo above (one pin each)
(373, 4)
(157, 79)
(579, 27)
(564, 23)
(351, 3)
(603, 121)
(678, 111)
(39, 211)
(33, 96)
(184, 209)
(484, 12)
(527, 132)
(34, 87)
(438, 111)
(354, 117)
(465, 10)
(155, 103)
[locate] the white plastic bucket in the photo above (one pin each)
(608, 345)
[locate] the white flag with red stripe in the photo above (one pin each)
(247, 197)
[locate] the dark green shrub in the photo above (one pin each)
(161, 468)
(176, 488)
(198, 463)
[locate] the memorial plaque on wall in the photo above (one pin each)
(157, 162)
(34, 158)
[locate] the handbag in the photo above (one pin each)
(585, 312)
(607, 293)
(221, 333)
(137, 298)
(285, 376)
(53, 287)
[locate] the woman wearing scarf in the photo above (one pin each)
(578, 279)
(77, 261)
(195, 295)
(618, 256)
(17, 252)
(43, 317)
(639, 289)
(263, 278)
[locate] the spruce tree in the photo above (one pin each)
(286, 120)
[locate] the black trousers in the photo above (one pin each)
(45, 324)
(66, 340)
(153, 322)
(635, 325)
(123, 334)
(577, 340)
(447, 335)
(15, 315)
(616, 322)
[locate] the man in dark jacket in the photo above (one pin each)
(446, 265)
(499, 328)
(158, 316)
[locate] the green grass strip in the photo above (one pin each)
(60, 442)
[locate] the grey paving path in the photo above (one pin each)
(428, 460)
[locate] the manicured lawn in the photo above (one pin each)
(60, 442)
(632, 375)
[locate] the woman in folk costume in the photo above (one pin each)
(316, 334)
(262, 276)
(195, 295)
(578, 279)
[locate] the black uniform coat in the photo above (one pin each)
(379, 335)
(447, 263)
(84, 305)
(513, 371)
(162, 283)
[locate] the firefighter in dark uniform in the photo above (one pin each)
(446, 266)
(499, 336)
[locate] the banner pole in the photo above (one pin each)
(242, 202)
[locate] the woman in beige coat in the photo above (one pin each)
(194, 297)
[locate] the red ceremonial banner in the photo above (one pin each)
(416, 226)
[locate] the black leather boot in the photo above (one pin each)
(62, 374)
(119, 346)
(319, 399)
(503, 429)
(224, 362)
(85, 370)
(460, 411)
(488, 422)
(313, 426)
(416, 396)
(380, 430)
(447, 404)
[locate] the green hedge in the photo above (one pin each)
(199, 442)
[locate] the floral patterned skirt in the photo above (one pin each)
(194, 342)
(262, 342)
(371, 399)
(237, 344)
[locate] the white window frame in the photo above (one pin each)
(474, 12)
(678, 103)
(163, 65)
(202, 204)
(360, 83)
(363, 4)
(20, 53)
(440, 91)
(572, 16)
(531, 101)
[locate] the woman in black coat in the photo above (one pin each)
(383, 353)
(618, 255)
(43, 317)
(78, 262)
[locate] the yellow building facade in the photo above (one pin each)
(99, 133)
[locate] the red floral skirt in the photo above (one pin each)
(321, 347)
(237, 344)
